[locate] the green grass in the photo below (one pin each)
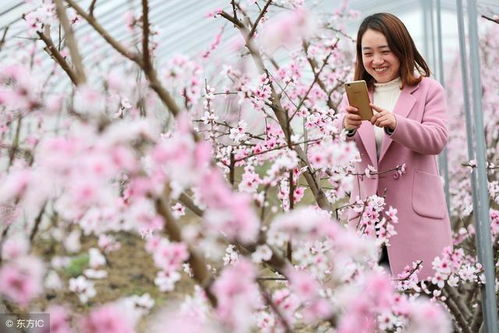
(77, 265)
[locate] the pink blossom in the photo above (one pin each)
(14, 247)
(137, 188)
(169, 256)
(89, 101)
(298, 194)
(303, 285)
(428, 317)
(178, 210)
(83, 288)
(15, 185)
(213, 13)
(21, 280)
(213, 46)
(317, 309)
(59, 320)
(373, 296)
(106, 319)
(96, 258)
(143, 216)
(108, 243)
(153, 243)
(250, 180)
(166, 280)
(494, 222)
(227, 211)
(287, 303)
(302, 223)
(237, 295)
(287, 29)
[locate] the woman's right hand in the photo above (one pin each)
(352, 120)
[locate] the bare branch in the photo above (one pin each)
(92, 8)
(232, 19)
(101, 31)
(477, 317)
(15, 142)
(4, 36)
(52, 50)
(38, 219)
(71, 42)
(491, 19)
(234, 10)
(457, 314)
(146, 57)
(451, 292)
(262, 13)
(187, 202)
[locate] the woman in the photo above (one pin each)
(408, 127)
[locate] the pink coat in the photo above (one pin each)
(424, 226)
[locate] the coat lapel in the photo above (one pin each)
(404, 105)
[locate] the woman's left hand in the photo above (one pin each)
(383, 118)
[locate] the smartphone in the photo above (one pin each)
(358, 96)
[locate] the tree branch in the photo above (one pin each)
(457, 314)
(196, 261)
(91, 8)
(282, 118)
(52, 50)
(4, 36)
(37, 223)
(451, 292)
(264, 10)
(71, 42)
(491, 19)
(151, 75)
(101, 31)
(477, 317)
(275, 309)
(146, 57)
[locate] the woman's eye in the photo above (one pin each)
(385, 52)
(367, 54)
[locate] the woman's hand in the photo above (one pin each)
(383, 118)
(352, 119)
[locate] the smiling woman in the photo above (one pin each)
(387, 50)
(408, 129)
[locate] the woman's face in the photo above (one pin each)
(379, 61)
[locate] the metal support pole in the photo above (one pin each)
(466, 99)
(481, 212)
(442, 158)
(431, 22)
(426, 34)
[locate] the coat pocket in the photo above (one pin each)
(428, 198)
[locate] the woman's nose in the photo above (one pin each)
(378, 59)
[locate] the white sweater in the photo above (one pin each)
(385, 96)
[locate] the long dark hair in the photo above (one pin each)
(400, 43)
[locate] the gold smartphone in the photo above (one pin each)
(359, 97)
